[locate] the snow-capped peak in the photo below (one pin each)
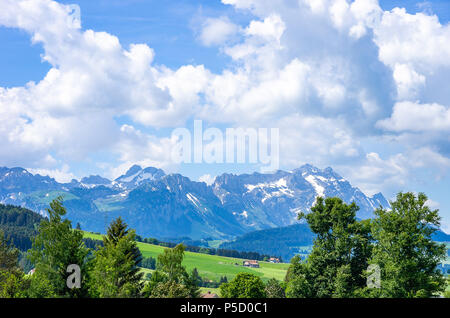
(136, 176)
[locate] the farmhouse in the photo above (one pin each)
(251, 263)
(274, 260)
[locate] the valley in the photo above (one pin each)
(213, 267)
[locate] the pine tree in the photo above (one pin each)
(116, 272)
(117, 230)
(56, 247)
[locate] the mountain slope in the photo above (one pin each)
(269, 200)
(160, 205)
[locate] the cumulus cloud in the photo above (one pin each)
(93, 80)
(416, 117)
(62, 175)
(217, 31)
(398, 171)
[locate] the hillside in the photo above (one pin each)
(19, 225)
(285, 242)
(212, 267)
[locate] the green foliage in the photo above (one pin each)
(171, 279)
(9, 256)
(156, 278)
(339, 257)
(55, 247)
(244, 285)
(148, 262)
(41, 287)
(298, 280)
(117, 230)
(405, 251)
(115, 272)
(274, 289)
(13, 284)
(19, 225)
(12, 280)
(170, 261)
(447, 291)
(194, 282)
(170, 289)
(223, 279)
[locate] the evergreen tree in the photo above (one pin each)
(223, 279)
(117, 230)
(115, 271)
(193, 283)
(56, 247)
(405, 251)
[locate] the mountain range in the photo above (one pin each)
(162, 205)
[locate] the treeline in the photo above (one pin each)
(209, 250)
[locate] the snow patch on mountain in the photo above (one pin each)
(317, 187)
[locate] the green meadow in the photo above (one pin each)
(212, 267)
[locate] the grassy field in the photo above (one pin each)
(212, 267)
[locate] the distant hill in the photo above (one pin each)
(19, 225)
(287, 241)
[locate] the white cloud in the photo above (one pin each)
(136, 147)
(417, 48)
(408, 81)
(217, 31)
(412, 38)
(62, 175)
(93, 80)
(397, 172)
(410, 116)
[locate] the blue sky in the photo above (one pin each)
(361, 86)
